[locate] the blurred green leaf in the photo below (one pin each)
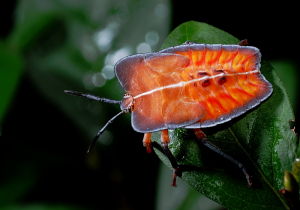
(262, 138)
(10, 72)
(15, 183)
(74, 45)
(25, 33)
(287, 72)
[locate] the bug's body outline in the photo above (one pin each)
(178, 58)
(193, 124)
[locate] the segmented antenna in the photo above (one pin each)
(96, 98)
(91, 97)
(92, 145)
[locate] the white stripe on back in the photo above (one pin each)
(183, 83)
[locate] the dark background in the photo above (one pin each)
(128, 180)
(272, 27)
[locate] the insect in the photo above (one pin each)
(190, 86)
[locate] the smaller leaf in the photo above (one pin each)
(199, 33)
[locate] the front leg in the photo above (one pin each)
(147, 142)
(164, 148)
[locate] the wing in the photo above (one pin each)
(192, 85)
(239, 87)
(160, 101)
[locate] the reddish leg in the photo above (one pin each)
(164, 138)
(165, 141)
(164, 149)
(202, 137)
(244, 42)
(199, 134)
(147, 142)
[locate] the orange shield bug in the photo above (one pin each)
(188, 86)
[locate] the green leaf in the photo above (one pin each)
(287, 72)
(10, 72)
(261, 138)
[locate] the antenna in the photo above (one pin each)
(92, 145)
(91, 97)
(96, 98)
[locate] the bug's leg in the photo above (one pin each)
(165, 142)
(202, 137)
(243, 42)
(147, 142)
(163, 148)
(189, 42)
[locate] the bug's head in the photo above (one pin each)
(127, 103)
